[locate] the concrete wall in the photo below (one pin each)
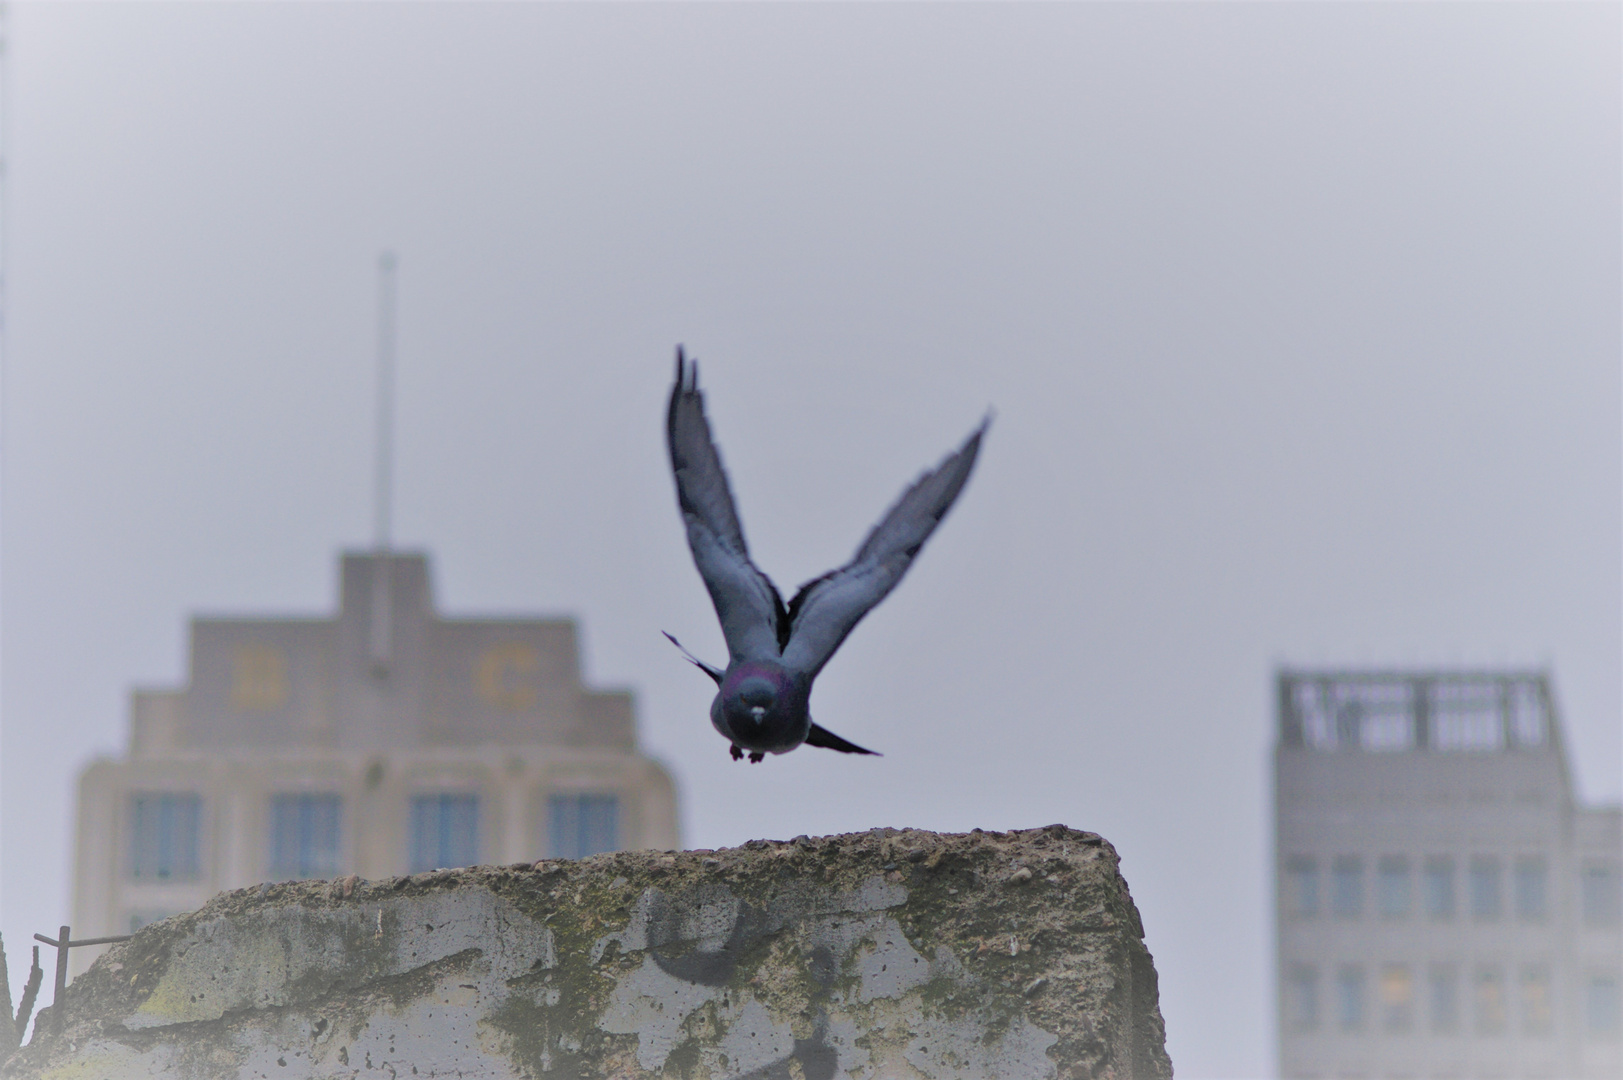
(881, 954)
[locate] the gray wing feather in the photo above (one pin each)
(825, 610)
(747, 603)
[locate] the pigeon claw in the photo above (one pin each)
(738, 754)
(756, 756)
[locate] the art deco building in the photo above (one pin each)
(1446, 909)
(385, 741)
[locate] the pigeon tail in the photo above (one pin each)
(714, 672)
(830, 741)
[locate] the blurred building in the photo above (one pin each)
(385, 741)
(1445, 907)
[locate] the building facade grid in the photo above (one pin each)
(1445, 907)
(385, 740)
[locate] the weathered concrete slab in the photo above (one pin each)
(891, 953)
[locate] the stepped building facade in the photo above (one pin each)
(386, 740)
(1446, 907)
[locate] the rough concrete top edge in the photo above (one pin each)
(907, 844)
(859, 854)
(1031, 933)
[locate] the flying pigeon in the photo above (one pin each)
(774, 651)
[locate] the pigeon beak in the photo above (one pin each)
(757, 711)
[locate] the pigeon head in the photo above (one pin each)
(756, 698)
(758, 695)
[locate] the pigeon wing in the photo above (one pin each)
(826, 609)
(747, 603)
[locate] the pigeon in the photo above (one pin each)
(774, 651)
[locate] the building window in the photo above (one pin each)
(148, 916)
(1350, 998)
(304, 836)
(164, 837)
(1439, 887)
(1538, 1016)
(1302, 886)
(1392, 886)
(444, 831)
(1602, 899)
(1444, 999)
(1314, 714)
(582, 825)
(1602, 1013)
(1484, 876)
(1397, 998)
(1526, 709)
(1466, 716)
(1382, 714)
(1532, 899)
(1489, 998)
(1302, 998)
(1347, 886)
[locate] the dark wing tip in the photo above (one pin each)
(687, 374)
(687, 371)
(981, 428)
(685, 386)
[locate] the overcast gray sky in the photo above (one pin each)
(1301, 324)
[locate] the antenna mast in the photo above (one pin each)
(385, 449)
(5, 188)
(382, 594)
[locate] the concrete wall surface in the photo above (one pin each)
(890, 953)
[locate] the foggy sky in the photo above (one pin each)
(1301, 324)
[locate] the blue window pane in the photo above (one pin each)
(1602, 898)
(1440, 888)
(1485, 899)
(1603, 1007)
(1532, 899)
(1301, 886)
(582, 825)
(1302, 998)
(164, 836)
(148, 916)
(444, 831)
(1350, 998)
(1393, 886)
(1445, 999)
(1347, 886)
(304, 836)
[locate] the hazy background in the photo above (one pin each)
(1301, 323)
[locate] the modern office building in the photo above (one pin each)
(384, 741)
(1446, 909)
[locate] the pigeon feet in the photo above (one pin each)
(738, 754)
(756, 756)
